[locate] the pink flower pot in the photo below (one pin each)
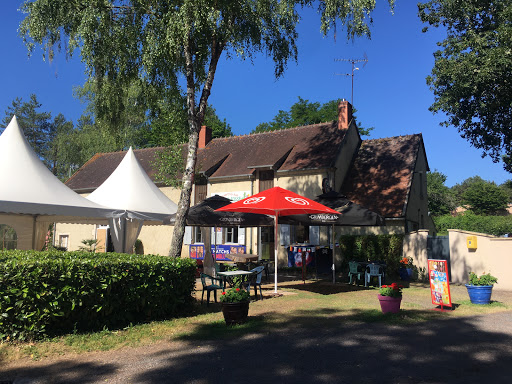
(390, 304)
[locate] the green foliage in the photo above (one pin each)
(485, 197)
(468, 221)
(52, 292)
(471, 71)
(89, 245)
(392, 290)
(304, 112)
(235, 295)
(507, 188)
(440, 198)
(485, 279)
(385, 248)
(169, 165)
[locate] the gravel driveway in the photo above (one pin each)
(336, 350)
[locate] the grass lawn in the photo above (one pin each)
(298, 304)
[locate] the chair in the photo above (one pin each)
(266, 265)
(210, 284)
(373, 270)
(256, 281)
(354, 269)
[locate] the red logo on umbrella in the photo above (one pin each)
(254, 200)
(296, 200)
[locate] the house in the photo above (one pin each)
(386, 175)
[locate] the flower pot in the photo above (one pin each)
(405, 274)
(235, 313)
(389, 304)
(479, 294)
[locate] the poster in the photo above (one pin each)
(197, 251)
(439, 283)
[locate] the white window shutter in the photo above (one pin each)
(284, 234)
(219, 235)
(314, 235)
(187, 239)
(241, 236)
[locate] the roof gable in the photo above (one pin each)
(381, 175)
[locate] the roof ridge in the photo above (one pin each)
(252, 134)
(393, 137)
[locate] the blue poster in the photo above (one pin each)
(197, 251)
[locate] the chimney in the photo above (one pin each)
(344, 114)
(205, 136)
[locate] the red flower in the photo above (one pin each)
(384, 286)
(238, 289)
(223, 293)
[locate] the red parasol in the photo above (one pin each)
(277, 202)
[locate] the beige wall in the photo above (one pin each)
(493, 255)
(76, 233)
(415, 247)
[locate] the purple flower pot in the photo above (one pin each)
(389, 304)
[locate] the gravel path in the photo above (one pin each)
(454, 350)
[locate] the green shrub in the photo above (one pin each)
(485, 279)
(492, 225)
(384, 248)
(53, 292)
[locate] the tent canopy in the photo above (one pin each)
(28, 187)
(130, 189)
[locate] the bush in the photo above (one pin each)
(384, 248)
(492, 225)
(53, 292)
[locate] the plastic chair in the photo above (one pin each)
(210, 284)
(256, 281)
(355, 270)
(373, 270)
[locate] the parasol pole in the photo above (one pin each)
(276, 240)
(333, 255)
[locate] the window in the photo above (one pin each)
(64, 241)
(302, 234)
(8, 237)
(198, 238)
(200, 188)
(231, 235)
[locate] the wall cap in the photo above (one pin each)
(474, 233)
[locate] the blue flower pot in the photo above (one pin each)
(479, 294)
(405, 274)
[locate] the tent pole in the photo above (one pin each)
(276, 240)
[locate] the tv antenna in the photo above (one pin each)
(354, 68)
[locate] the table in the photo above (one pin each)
(228, 276)
(242, 257)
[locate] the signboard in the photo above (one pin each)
(439, 283)
(234, 196)
(197, 251)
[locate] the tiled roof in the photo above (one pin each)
(381, 174)
(308, 147)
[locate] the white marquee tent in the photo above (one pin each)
(130, 190)
(31, 197)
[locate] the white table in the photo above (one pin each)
(228, 276)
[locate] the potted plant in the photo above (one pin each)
(235, 305)
(406, 269)
(480, 287)
(390, 297)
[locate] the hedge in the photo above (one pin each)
(385, 248)
(491, 225)
(53, 292)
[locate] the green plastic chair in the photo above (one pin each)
(256, 281)
(356, 270)
(210, 284)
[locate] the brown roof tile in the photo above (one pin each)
(380, 176)
(308, 147)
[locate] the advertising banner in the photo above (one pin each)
(439, 283)
(197, 251)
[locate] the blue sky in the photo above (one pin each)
(390, 92)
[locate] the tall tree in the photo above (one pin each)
(485, 198)
(304, 112)
(34, 122)
(472, 74)
(440, 197)
(158, 40)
